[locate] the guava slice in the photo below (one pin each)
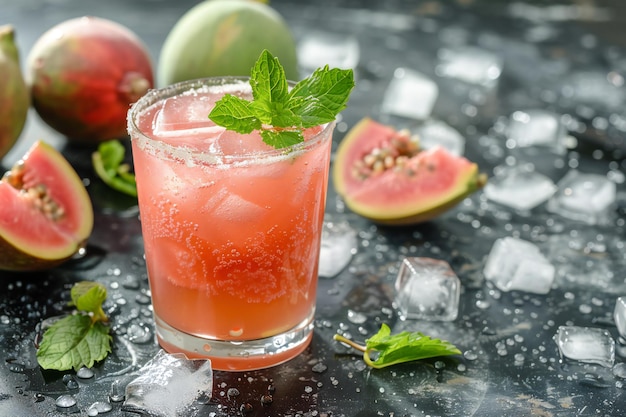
(46, 215)
(383, 175)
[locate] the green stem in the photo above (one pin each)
(349, 342)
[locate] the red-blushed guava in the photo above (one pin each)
(84, 73)
(14, 95)
(223, 38)
(46, 215)
(384, 175)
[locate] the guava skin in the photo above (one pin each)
(14, 94)
(84, 73)
(225, 38)
(46, 215)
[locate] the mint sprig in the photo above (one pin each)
(108, 163)
(399, 348)
(80, 339)
(281, 114)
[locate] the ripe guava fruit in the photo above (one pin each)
(225, 37)
(83, 75)
(46, 215)
(14, 95)
(384, 175)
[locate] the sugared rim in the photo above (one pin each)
(157, 94)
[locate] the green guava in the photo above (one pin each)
(222, 38)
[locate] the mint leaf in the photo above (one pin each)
(108, 165)
(400, 348)
(80, 339)
(74, 342)
(280, 114)
(235, 113)
(88, 296)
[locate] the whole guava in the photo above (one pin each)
(225, 37)
(14, 96)
(84, 73)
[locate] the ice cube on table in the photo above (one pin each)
(515, 264)
(470, 64)
(427, 289)
(584, 197)
(339, 244)
(519, 187)
(536, 128)
(438, 133)
(336, 50)
(410, 94)
(586, 344)
(619, 315)
(168, 385)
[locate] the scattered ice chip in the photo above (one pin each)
(584, 197)
(336, 50)
(516, 264)
(339, 244)
(536, 128)
(586, 344)
(410, 94)
(594, 88)
(519, 187)
(427, 289)
(437, 133)
(470, 64)
(619, 315)
(168, 385)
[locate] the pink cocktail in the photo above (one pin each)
(231, 228)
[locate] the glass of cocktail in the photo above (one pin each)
(231, 227)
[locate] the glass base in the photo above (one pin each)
(241, 355)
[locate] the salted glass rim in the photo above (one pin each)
(155, 95)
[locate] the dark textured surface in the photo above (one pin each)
(517, 371)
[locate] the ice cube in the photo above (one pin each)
(183, 117)
(619, 315)
(519, 187)
(410, 94)
(339, 244)
(427, 289)
(516, 264)
(437, 133)
(536, 128)
(168, 385)
(586, 344)
(584, 197)
(236, 209)
(470, 64)
(336, 50)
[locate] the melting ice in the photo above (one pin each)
(410, 94)
(586, 344)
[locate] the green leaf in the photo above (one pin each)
(108, 165)
(401, 347)
(88, 296)
(281, 115)
(74, 342)
(319, 98)
(282, 139)
(235, 113)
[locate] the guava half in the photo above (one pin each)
(384, 175)
(46, 215)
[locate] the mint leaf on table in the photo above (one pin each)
(108, 162)
(80, 339)
(281, 114)
(399, 348)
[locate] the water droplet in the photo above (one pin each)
(17, 367)
(356, 317)
(70, 382)
(138, 334)
(117, 393)
(470, 355)
(65, 401)
(39, 397)
(84, 373)
(319, 368)
(232, 392)
(308, 389)
(266, 399)
(99, 407)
